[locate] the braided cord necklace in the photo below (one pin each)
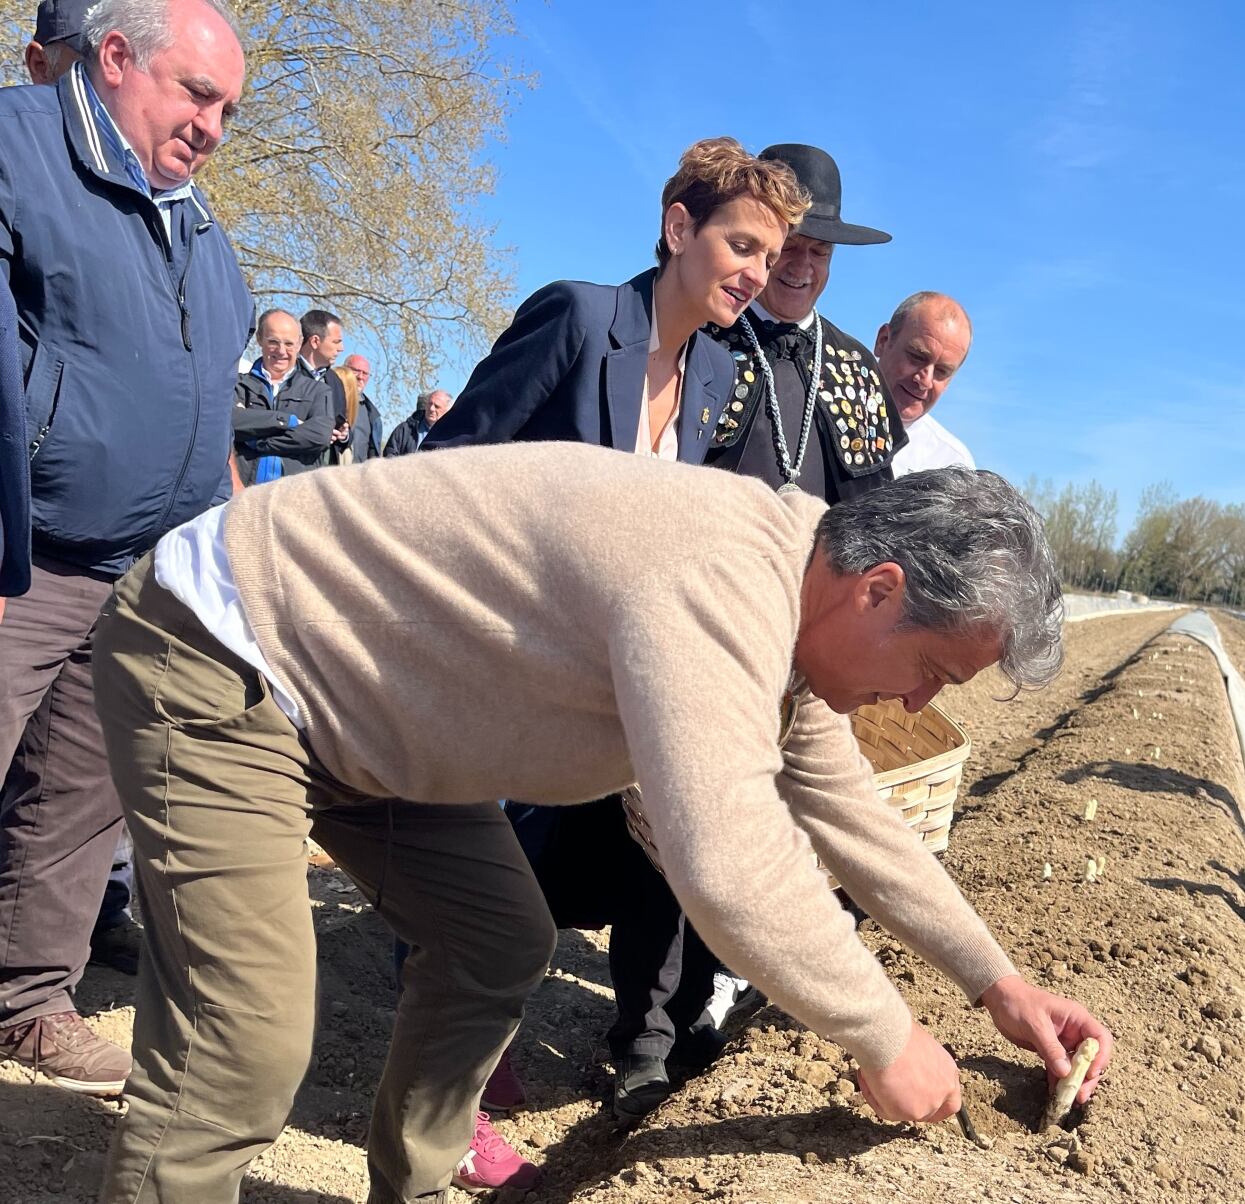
(790, 469)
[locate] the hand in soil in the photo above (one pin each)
(922, 1084)
(1049, 1025)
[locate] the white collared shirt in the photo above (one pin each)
(668, 442)
(930, 445)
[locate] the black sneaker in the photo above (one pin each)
(118, 946)
(698, 1048)
(640, 1085)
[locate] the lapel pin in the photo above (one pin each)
(704, 415)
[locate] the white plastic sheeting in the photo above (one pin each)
(1088, 606)
(1199, 625)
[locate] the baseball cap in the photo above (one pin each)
(61, 21)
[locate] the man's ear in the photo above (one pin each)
(37, 64)
(879, 344)
(114, 58)
(880, 588)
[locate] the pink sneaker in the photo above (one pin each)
(490, 1162)
(504, 1090)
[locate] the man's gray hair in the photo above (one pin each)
(145, 24)
(974, 556)
(59, 58)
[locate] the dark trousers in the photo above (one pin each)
(593, 873)
(59, 813)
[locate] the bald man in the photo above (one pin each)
(918, 352)
(366, 435)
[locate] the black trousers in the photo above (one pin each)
(593, 874)
(59, 812)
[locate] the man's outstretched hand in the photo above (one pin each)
(1049, 1025)
(922, 1084)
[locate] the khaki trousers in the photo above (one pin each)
(220, 791)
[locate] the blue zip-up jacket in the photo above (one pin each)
(14, 470)
(130, 338)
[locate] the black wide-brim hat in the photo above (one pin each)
(819, 175)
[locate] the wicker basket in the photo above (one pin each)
(917, 764)
(917, 761)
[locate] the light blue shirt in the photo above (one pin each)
(121, 147)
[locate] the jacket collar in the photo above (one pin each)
(101, 150)
(627, 362)
(101, 147)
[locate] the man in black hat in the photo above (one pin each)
(58, 42)
(809, 408)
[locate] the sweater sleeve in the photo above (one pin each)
(699, 700)
(828, 786)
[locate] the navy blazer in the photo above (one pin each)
(571, 367)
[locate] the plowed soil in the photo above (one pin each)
(1138, 721)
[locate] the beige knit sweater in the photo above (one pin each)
(555, 622)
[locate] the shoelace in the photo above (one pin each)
(487, 1139)
(75, 1036)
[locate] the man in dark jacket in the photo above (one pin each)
(367, 436)
(132, 314)
(282, 416)
(409, 435)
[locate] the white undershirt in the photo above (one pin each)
(930, 445)
(192, 564)
(668, 441)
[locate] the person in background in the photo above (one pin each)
(367, 431)
(97, 197)
(409, 435)
(809, 407)
(808, 410)
(58, 42)
(919, 350)
(341, 450)
(283, 416)
(323, 340)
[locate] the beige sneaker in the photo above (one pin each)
(65, 1049)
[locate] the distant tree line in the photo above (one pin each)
(1190, 549)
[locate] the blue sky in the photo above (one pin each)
(1074, 173)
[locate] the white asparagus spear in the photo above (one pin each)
(1064, 1095)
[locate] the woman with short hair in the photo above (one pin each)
(629, 367)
